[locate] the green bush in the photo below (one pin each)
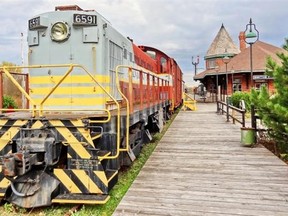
(9, 102)
(273, 109)
(238, 96)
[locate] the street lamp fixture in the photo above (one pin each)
(195, 64)
(251, 36)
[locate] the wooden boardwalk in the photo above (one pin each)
(200, 168)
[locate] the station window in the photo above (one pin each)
(259, 85)
(237, 85)
(211, 63)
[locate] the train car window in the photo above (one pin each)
(116, 58)
(152, 54)
(130, 57)
(163, 64)
(125, 53)
(115, 55)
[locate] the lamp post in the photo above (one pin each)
(226, 60)
(251, 36)
(195, 63)
(217, 81)
(232, 82)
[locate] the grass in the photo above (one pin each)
(126, 178)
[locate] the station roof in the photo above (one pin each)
(241, 62)
(221, 44)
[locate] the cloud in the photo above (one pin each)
(180, 28)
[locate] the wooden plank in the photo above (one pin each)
(200, 168)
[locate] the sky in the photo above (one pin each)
(180, 28)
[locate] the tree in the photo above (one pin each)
(285, 46)
(273, 110)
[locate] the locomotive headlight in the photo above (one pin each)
(60, 31)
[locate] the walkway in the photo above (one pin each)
(200, 168)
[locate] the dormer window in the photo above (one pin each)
(211, 63)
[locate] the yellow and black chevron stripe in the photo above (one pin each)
(75, 136)
(89, 184)
(83, 186)
(83, 181)
(9, 129)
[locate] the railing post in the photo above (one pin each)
(253, 117)
(162, 91)
(243, 118)
(27, 89)
(153, 90)
(233, 116)
(141, 90)
(254, 121)
(148, 94)
(130, 90)
(227, 109)
(158, 90)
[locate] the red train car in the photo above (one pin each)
(167, 65)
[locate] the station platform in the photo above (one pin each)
(200, 168)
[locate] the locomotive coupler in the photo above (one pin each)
(19, 163)
(33, 147)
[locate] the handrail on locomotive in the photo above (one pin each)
(39, 108)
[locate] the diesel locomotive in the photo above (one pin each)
(92, 101)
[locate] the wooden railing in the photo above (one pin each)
(231, 112)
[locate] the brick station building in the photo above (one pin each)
(238, 67)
